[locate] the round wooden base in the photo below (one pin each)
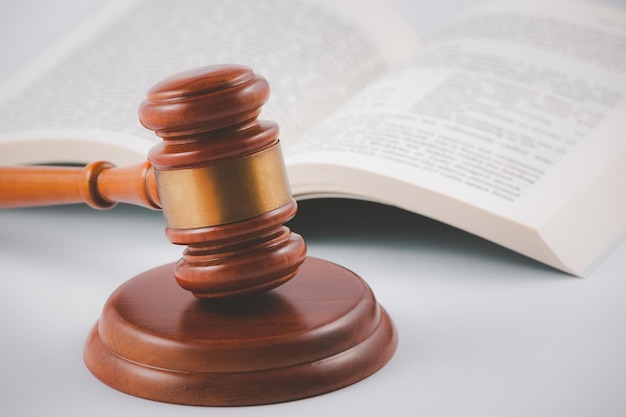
(321, 331)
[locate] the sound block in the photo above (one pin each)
(320, 331)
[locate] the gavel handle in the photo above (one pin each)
(101, 185)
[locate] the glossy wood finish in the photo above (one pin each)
(207, 116)
(234, 343)
(319, 332)
(100, 184)
(228, 340)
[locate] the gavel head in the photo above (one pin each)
(222, 182)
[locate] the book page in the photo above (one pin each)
(315, 54)
(510, 125)
(488, 111)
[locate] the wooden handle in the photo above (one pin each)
(101, 185)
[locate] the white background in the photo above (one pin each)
(483, 331)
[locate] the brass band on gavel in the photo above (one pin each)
(225, 191)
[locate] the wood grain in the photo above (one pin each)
(321, 331)
(206, 116)
(99, 184)
(244, 317)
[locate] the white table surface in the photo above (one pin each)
(483, 331)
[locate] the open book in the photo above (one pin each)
(509, 124)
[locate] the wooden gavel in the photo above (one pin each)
(220, 180)
(218, 176)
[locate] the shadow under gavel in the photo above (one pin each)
(253, 320)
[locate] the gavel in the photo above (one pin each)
(249, 318)
(218, 175)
